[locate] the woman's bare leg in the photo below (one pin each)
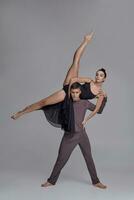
(59, 95)
(52, 99)
(74, 69)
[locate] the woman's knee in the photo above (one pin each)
(55, 98)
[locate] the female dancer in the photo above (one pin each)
(61, 100)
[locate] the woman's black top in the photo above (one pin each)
(61, 115)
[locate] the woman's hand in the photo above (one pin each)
(88, 37)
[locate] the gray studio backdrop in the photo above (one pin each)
(37, 43)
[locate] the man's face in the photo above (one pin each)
(75, 93)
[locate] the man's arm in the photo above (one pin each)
(90, 106)
(95, 108)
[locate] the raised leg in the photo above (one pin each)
(74, 69)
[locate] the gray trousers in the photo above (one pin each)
(68, 143)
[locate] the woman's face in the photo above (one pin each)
(100, 76)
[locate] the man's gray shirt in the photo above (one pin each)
(80, 108)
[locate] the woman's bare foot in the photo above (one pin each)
(16, 115)
(100, 185)
(46, 184)
(89, 36)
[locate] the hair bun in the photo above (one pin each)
(102, 69)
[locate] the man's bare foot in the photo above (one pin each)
(16, 115)
(100, 185)
(46, 184)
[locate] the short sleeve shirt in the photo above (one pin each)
(80, 108)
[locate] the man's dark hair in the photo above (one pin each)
(75, 85)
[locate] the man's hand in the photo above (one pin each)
(84, 122)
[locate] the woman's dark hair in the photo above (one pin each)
(75, 85)
(104, 71)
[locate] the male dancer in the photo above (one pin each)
(69, 141)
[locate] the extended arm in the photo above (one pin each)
(98, 105)
(80, 80)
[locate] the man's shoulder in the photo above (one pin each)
(84, 102)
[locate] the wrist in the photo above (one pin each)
(86, 120)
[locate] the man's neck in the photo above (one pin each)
(76, 100)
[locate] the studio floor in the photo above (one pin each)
(27, 185)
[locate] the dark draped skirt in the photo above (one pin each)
(61, 115)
